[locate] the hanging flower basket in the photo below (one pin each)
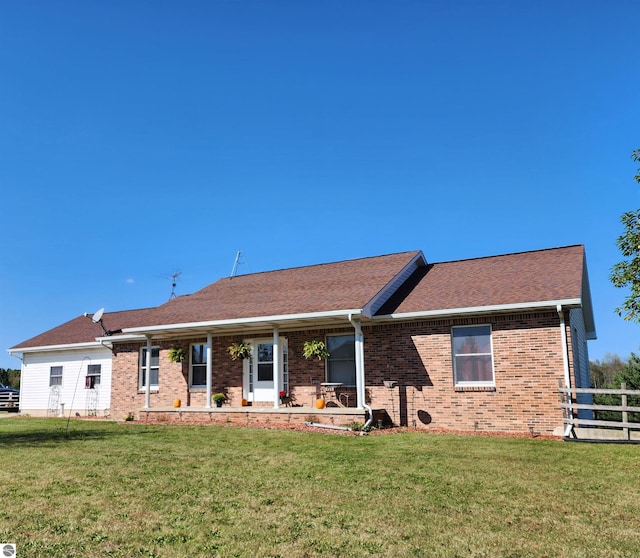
(177, 354)
(239, 350)
(315, 349)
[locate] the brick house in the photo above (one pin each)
(469, 345)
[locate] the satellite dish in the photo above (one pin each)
(97, 316)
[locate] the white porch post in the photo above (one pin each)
(209, 369)
(359, 350)
(147, 391)
(276, 368)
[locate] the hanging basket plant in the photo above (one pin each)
(239, 350)
(315, 349)
(177, 354)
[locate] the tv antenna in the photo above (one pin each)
(97, 319)
(239, 260)
(174, 282)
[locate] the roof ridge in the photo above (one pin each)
(511, 254)
(379, 256)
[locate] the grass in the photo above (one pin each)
(128, 490)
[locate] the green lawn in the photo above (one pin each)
(129, 490)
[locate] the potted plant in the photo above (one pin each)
(219, 399)
(239, 350)
(177, 354)
(315, 349)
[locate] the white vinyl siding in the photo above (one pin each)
(35, 390)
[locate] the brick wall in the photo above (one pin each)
(528, 364)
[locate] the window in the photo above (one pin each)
(265, 362)
(472, 355)
(94, 371)
(198, 365)
(55, 376)
(155, 366)
(341, 364)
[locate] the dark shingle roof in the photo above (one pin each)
(557, 274)
(342, 285)
(544, 275)
(83, 330)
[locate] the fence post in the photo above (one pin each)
(625, 415)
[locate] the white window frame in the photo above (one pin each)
(95, 370)
(467, 383)
(142, 368)
(58, 377)
(326, 372)
(201, 364)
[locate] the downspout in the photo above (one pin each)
(565, 362)
(360, 391)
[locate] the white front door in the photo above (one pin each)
(263, 372)
(259, 370)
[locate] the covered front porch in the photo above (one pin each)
(273, 382)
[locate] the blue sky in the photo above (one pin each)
(139, 138)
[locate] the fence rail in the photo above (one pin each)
(569, 405)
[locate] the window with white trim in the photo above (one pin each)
(55, 376)
(341, 363)
(94, 371)
(198, 366)
(155, 368)
(472, 355)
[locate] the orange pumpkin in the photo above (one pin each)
(320, 403)
(177, 403)
(244, 403)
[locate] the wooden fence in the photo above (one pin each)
(598, 429)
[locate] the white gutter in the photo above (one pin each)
(79, 346)
(120, 338)
(360, 376)
(266, 320)
(571, 302)
(565, 361)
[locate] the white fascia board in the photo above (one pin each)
(570, 302)
(281, 319)
(119, 339)
(68, 347)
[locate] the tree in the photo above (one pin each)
(630, 376)
(604, 371)
(10, 377)
(627, 272)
